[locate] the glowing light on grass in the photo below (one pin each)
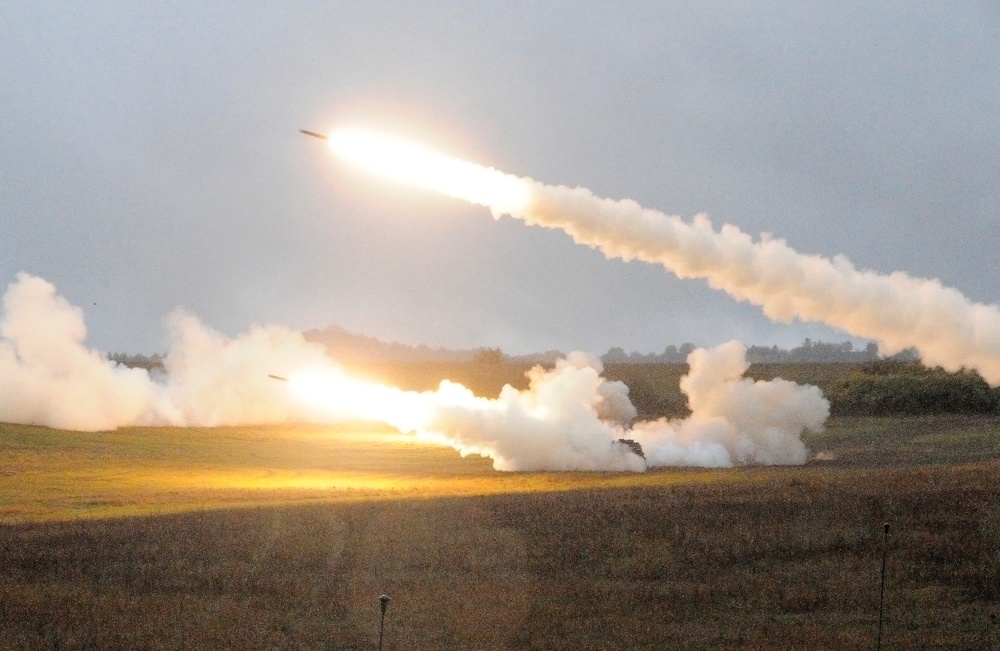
(413, 164)
(271, 479)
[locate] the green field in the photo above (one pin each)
(283, 538)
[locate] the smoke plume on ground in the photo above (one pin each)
(734, 420)
(49, 377)
(570, 417)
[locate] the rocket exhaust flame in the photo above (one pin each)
(413, 164)
(896, 310)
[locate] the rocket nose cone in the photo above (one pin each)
(313, 134)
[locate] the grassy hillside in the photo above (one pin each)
(285, 537)
(48, 474)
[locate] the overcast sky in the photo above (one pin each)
(151, 158)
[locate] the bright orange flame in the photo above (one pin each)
(416, 165)
(355, 398)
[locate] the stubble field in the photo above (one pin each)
(284, 537)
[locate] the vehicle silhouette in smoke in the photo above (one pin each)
(634, 445)
(314, 134)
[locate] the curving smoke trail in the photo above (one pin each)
(896, 310)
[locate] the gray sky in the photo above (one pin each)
(151, 158)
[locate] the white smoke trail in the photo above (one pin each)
(570, 418)
(896, 310)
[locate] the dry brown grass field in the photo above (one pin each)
(283, 538)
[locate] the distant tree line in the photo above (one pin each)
(152, 363)
(876, 387)
(346, 346)
(350, 347)
(671, 355)
(809, 352)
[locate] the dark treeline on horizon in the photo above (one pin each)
(808, 352)
(350, 347)
(856, 382)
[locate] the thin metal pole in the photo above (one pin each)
(881, 593)
(383, 606)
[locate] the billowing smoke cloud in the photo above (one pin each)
(48, 376)
(570, 418)
(734, 420)
(213, 380)
(896, 310)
